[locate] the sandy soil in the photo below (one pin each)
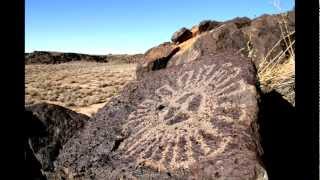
(81, 86)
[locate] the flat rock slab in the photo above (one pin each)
(191, 121)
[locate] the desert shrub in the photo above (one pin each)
(279, 72)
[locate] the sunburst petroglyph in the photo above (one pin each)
(170, 122)
(176, 127)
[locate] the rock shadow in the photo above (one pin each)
(278, 137)
(33, 128)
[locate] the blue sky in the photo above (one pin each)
(125, 26)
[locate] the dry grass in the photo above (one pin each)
(81, 86)
(278, 73)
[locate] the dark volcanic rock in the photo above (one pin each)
(253, 38)
(207, 25)
(260, 39)
(227, 36)
(240, 21)
(181, 35)
(156, 58)
(176, 123)
(58, 124)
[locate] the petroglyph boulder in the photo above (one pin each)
(191, 121)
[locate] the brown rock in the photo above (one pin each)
(156, 58)
(181, 35)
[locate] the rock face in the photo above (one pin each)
(58, 125)
(156, 58)
(180, 122)
(181, 35)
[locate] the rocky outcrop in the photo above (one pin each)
(227, 36)
(45, 57)
(207, 25)
(240, 22)
(58, 125)
(156, 58)
(181, 35)
(263, 40)
(176, 123)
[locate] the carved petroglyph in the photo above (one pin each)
(175, 128)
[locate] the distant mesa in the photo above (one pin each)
(47, 57)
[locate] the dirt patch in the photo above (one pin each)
(80, 86)
(89, 110)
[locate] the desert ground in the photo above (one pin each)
(81, 86)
